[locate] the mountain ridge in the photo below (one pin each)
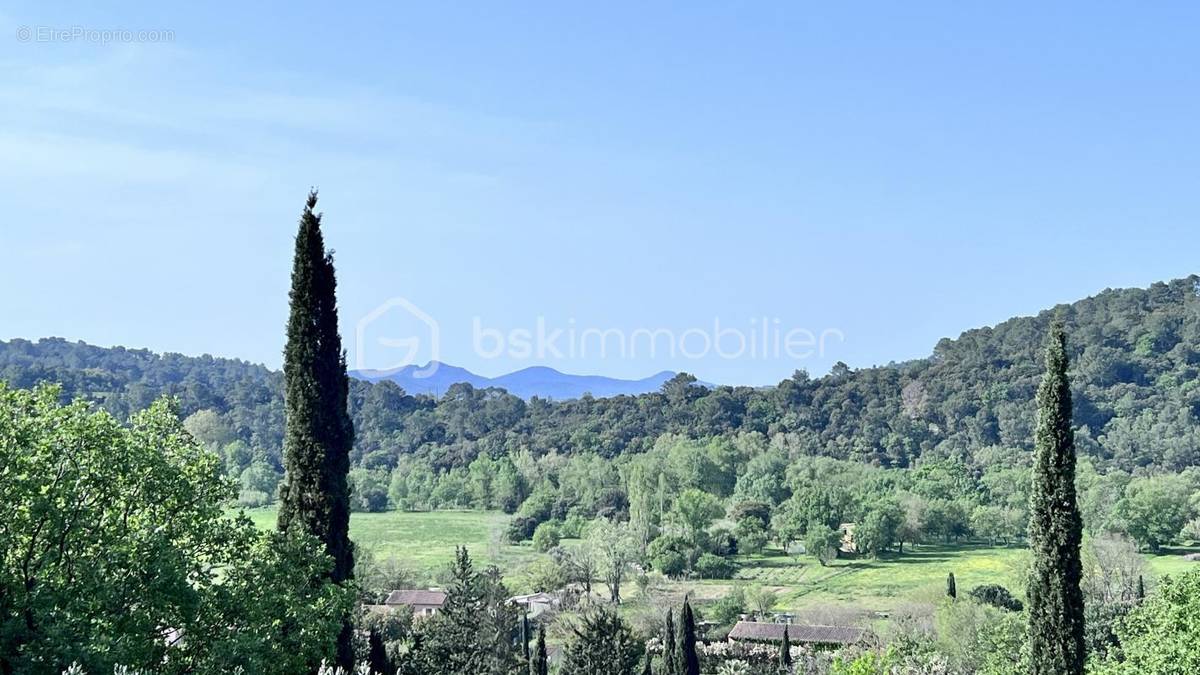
(539, 380)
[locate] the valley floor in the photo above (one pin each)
(425, 541)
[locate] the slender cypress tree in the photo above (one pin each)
(951, 587)
(318, 433)
(785, 652)
(670, 655)
(377, 657)
(540, 664)
(525, 635)
(1141, 589)
(1056, 636)
(689, 661)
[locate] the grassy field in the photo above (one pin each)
(881, 584)
(919, 575)
(425, 543)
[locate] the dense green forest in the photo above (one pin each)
(950, 435)
(1135, 356)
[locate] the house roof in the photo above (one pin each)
(416, 597)
(798, 634)
(546, 598)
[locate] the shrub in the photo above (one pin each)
(735, 667)
(755, 512)
(710, 566)
(669, 562)
(669, 554)
(723, 543)
(539, 505)
(520, 528)
(253, 498)
(729, 608)
(996, 596)
(572, 528)
(821, 542)
(751, 540)
(546, 536)
(1160, 635)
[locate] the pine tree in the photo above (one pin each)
(785, 652)
(477, 629)
(1141, 589)
(670, 653)
(540, 664)
(602, 643)
(951, 587)
(318, 433)
(1056, 624)
(689, 661)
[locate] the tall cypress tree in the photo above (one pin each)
(318, 433)
(785, 652)
(377, 657)
(670, 655)
(1055, 527)
(540, 664)
(689, 661)
(951, 587)
(525, 635)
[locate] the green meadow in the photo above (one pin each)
(425, 542)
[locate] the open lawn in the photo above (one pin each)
(880, 585)
(918, 575)
(425, 541)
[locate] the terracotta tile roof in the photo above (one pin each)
(413, 597)
(797, 634)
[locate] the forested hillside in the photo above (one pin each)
(1135, 356)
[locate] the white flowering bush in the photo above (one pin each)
(325, 669)
(734, 667)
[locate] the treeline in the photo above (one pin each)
(700, 501)
(965, 411)
(1135, 356)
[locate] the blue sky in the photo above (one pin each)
(895, 172)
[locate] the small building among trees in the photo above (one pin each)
(535, 604)
(817, 637)
(848, 544)
(423, 603)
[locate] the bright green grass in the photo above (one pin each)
(1171, 562)
(879, 585)
(916, 576)
(919, 575)
(425, 541)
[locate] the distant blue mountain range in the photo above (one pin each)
(539, 381)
